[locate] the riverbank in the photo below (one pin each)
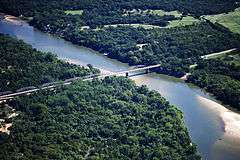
(230, 140)
(12, 19)
(202, 123)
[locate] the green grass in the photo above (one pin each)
(74, 12)
(230, 20)
(188, 20)
(145, 26)
(162, 13)
(149, 11)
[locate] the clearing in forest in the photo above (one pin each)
(230, 20)
(163, 13)
(185, 21)
(74, 12)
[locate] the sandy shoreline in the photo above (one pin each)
(185, 76)
(12, 19)
(72, 61)
(229, 142)
(231, 119)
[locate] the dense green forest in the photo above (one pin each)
(220, 78)
(196, 7)
(100, 119)
(174, 48)
(23, 66)
(112, 118)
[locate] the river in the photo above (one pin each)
(204, 123)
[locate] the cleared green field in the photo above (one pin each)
(74, 12)
(188, 20)
(149, 11)
(162, 13)
(145, 26)
(230, 20)
(184, 21)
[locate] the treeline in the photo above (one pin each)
(57, 20)
(94, 19)
(220, 78)
(174, 48)
(104, 12)
(23, 66)
(101, 119)
(196, 7)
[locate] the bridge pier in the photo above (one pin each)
(147, 71)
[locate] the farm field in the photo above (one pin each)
(230, 20)
(185, 21)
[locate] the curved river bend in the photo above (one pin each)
(204, 124)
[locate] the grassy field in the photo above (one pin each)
(145, 26)
(74, 12)
(149, 11)
(162, 12)
(188, 20)
(184, 21)
(175, 23)
(230, 20)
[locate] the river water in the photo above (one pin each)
(204, 125)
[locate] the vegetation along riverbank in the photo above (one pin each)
(176, 42)
(100, 119)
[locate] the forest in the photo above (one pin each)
(111, 118)
(196, 7)
(100, 119)
(220, 78)
(23, 66)
(175, 48)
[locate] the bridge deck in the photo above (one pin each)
(69, 81)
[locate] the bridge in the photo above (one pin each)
(53, 85)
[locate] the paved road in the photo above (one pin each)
(208, 56)
(71, 80)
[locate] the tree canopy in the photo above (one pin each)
(100, 119)
(23, 66)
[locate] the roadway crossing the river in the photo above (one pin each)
(69, 81)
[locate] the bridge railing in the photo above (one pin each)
(31, 89)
